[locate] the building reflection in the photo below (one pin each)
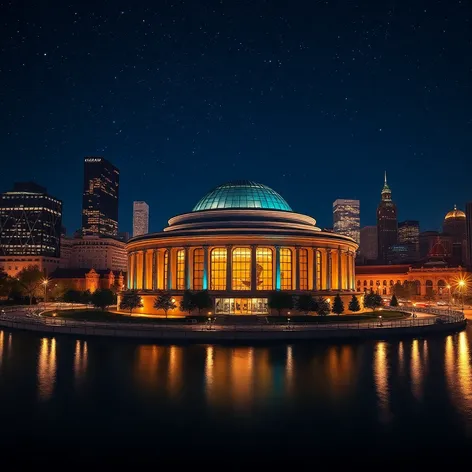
(47, 365)
(2, 340)
(175, 374)
(341, 369)
(147, 371)
(381, 372)
(80, 360)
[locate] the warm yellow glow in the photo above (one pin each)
(241, 268)
(381, 380)
(286, 269)
(303, 268)
(80, 360)
(47, 368)
(218, 268)
(198, 257)
(45, 281)
(264, 271)
(181, 269)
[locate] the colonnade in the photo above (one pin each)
(242, 268)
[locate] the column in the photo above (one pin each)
(328, 269)
(135, 270)
(229, 267)
(187, 268)
(314, 268)
(297, 268)
(353, 271)
(278, 281)
(169, 268)
(253, 268)
(144, 270)
(128, 272)
(340, 270)
(205, 268)
(154, 269)
(348, 270)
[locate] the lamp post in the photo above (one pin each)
(45, 285)
(462, 286)
(448, 298)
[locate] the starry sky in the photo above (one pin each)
(314, 99)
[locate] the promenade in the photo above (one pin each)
(426, 321)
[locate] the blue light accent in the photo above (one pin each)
(278, 283)
(205, 279)
(242, 194)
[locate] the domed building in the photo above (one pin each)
(455, 227)
(241, 242)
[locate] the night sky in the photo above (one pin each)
(314, 99)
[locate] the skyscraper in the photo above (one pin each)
(140, 218)
(409, 236)
(386, 223)
(369, 243)
(468, 212)
(100, 197)
(455, 226)
(346, 218)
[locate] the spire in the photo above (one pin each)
(386, 192)
(385, 182)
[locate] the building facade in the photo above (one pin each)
(409, 236)
(100, 197)
(346, 218)
(30, 228)
(387, 231)
(85, 279)
(369, 243)
(241, 242)
(455, 227)
(94, 252)
(140, 218)
(468, 211)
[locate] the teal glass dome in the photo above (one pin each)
(242, 194)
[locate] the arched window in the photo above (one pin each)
(264, 271)
(198, 255)
(418, 287)
(286, 268)
(318, 270)
(241, 268)
(218, 269)
(371, 283)
(303, 268)
(181, 269)
(441, 286)
(365, 283)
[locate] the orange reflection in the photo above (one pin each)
(47, 368)
(289, 369)
(2, 336)
(147, 365)
(341, 368)
(381, 380)
(209, 370)
(416, 370)
(80, 359)
(401, 358)
(175, 370)
(464, 371)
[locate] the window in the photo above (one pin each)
(286, 269)
(303, 268)
(241, 268)
(181, 269)
(318, 270)
(166, 265)
(198, 256)
(218, 269)
(264, 271)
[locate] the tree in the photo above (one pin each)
(280, 301)
(188, 302)
(103, 298)
(164, 301)
(72, 296)
(354, 304)
(373, 301)
(394, 301)
(85, 297)
(130, 300)
(323, 307)
(305, 303)
(338, 305)
(400, 290)
(30, 279)
(202, 301)
(5, 284)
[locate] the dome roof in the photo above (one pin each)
(455, 214)
(242, 194)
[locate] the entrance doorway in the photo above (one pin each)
(241, 306)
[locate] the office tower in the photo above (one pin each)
(468, 211)
(455, 226)
(346, 218)
(409, 236)
(30, 228)
(100, 197)
(140, 218)
(386, 223)
(368, 243)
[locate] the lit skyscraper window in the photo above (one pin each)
(346, 218)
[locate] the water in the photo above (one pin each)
(97, 398)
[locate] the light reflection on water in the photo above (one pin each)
(47, 368)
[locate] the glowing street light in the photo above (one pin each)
(45, 285)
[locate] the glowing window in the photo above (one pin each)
(286, 269)
(198, 256)
(218, 269)
(264, 271)
(181, 269)
(241, 268)
(318, 270)
(166, 265)
(303, 268)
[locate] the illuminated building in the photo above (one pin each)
(100, 197)
(241, 242)
(386, 223)
(468, 210)
(85, 279)
(454, 226)
(369, 243)
(409, 236)
(30, 229)
(140, 218)
(346, 218)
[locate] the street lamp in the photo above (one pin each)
(45, 284)
(462, 286)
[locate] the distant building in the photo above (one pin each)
(346, 218)
(455, 227)
(87, 279)
(123, 236)
(468, 211)
(100, 197)
(387, 231)
(94, 252)
(409, 236)
(368, 243)
(140, 218)
(30, 229)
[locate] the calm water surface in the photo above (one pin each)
(122, 398)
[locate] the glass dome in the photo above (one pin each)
(242, 194)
